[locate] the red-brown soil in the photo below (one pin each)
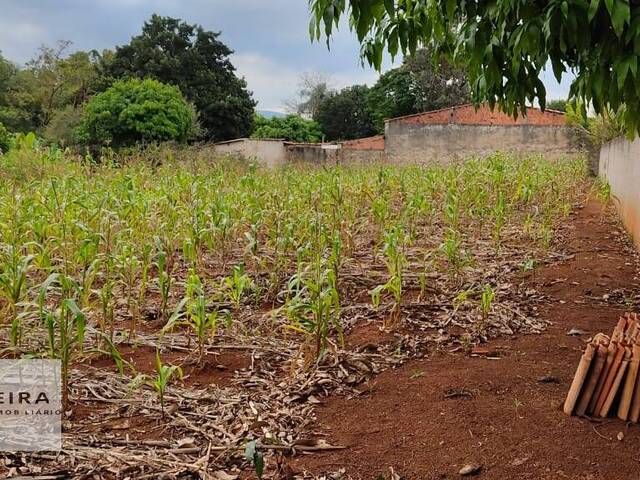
(429, 418)
(216, 369)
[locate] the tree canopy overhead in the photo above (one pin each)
(505, 44)
(197, 62)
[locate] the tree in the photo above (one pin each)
(18, 109)
(292, 127)
(437, 85)
(314, 88)
(505, 45)
(417, 86)
(63, 126)
(5, 139)
(194, 60)
(346, 115)
(132, 111)
(559, 104)
(393, 95)
(58, 81)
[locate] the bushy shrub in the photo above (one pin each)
(63, 126)
(292, 127)
(136, 111)
(5, 139)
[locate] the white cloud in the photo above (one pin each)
(17, 38)
(272, 83)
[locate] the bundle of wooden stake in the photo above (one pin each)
(607, 375)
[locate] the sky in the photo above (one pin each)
(269, 37)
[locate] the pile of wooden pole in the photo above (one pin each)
(607, 381)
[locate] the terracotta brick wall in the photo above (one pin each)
(467, 115)
(369, 143)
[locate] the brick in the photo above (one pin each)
(467, 115)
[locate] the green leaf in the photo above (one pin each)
(451, 9)
(593, 9)
(389, 7)
(258, 462)
(620, 15)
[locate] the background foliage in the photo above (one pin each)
(346, 114)
(197, 62)
(292, 127)
(134, 111)
(5, 139)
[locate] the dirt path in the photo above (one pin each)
(429, 418)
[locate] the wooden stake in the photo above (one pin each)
(592, 380)
(578, 379)
(611, 352)
(630, 384)
(615, 387)
(612, 374)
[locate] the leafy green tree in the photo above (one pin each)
(505, 45)
(439, 84)
(18, 110)
(132, 111)
(58, 80)
(193, 59)
(393, 95)
(559, 104)
(292, 127)
(5, 139)
(417, 86)
(63, 126)
(346, 115)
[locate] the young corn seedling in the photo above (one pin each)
(486, 301)
(164, 277)
(65, 326)
(164, 376)
(128, 268)
(395, 261)
(192, 312)
(451, 250)
(499, 215)
(236, 286)
(315, 308)
(13, 286)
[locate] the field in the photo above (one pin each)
(199, 306)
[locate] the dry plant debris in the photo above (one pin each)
(270, 289)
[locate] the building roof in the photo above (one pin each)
(467, 114)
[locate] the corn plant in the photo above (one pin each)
(192, 312)
(165, 279)
(452, 251)
(65, 326)
(315, 307)
(163, 376)
(395, 261)
(235, 287)
(486, 301)
(499, 214)
(13, 279)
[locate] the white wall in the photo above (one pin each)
(270, 153)
(620, 165)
